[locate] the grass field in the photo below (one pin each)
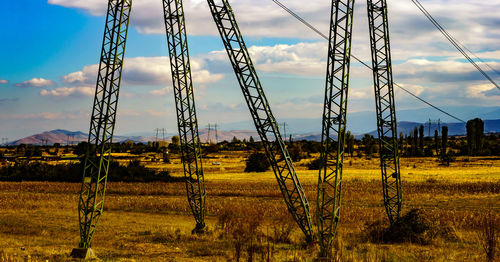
(152, 221)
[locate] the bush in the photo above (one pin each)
(296, 152)
(410, 228)
(212, 148)
(257, 162)
(282, 227)
(447, 158)
(316, 164)
(241, 226)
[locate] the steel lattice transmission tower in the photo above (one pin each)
(334, 116)
(102, 123)
(186, 113)
(263, 118)
(97, 157)
(386, 110)
(334, 123)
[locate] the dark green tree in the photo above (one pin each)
(400, 142)
(176, 140)
(475, 136)
(415, 141)
(350, 143)
(421, 137)
(257, 162)
(369, 146)
(444, 140)
(296, 152)
(436, 141)
(175, 146)
(80, 149)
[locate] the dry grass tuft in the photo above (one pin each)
(488, 234)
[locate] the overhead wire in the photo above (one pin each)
(478, 58)
(277, 2)
(452, 40)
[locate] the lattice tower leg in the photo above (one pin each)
(185, 106)
(386, 112)
(263, 118)
(102, 123)
(334, 124)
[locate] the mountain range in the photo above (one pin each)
(65, 137)
(359, 123)
(365, 121)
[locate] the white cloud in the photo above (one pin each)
(424, 62)
(145, 71)
(36, 82)
(3, 81)
(474, 24)
(161, 92)
(80, 76)
(482, 90)
(94, 7)
(42, 115)
(68, 91)
(300, 59)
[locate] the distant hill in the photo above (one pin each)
(362, 122)
(454, 129)
(64, 137)
(227, 135)
(51, 137)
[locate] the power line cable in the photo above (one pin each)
(478, 58)
(357, 59)
(452, 41)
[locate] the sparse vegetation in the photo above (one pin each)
(246, 216)
(134, 171)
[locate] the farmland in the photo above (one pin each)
(247, 216)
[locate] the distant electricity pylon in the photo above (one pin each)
(208, 134)
(210, 128)
(71, 138)
(284, 124)
(159, 131)
(433, 122)
(216, 134)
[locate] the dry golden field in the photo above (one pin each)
(152, 221)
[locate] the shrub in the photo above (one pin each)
(296, 152)
(257, 162)
(212, 148)
(447, 158)
(412, 227)
(282, 227)
(316, 164)
(241, 226)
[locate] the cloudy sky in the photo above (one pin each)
(50, 50)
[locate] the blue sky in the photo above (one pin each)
(50, 50)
